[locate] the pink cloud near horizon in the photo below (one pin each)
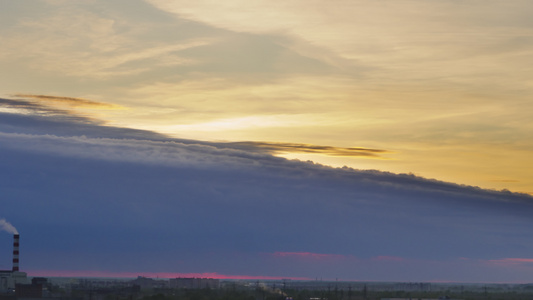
(110, 274)
(510, 261)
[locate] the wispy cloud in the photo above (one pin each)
(56, 108)
(324, 256)
(30, 107)
(276, 148)
(93, 45)
(505, 180)
(308, 255)
(69, 101)
(511, 261)
(20, 104)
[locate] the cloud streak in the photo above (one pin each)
(511, 261)
(276, 148)
(69, 101)
(45, 112)
(308, 255)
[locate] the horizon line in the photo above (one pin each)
(214, 275)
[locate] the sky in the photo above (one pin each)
(360, 140)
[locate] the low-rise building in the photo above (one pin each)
(194, 283)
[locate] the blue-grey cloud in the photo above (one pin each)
(109, 199)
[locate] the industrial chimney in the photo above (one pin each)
(16, 252)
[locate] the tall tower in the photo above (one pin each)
(16, 238)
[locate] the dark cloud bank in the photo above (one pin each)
(89, 197)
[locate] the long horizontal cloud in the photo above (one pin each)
(30, 106)
(511, 261)
(132, 150)
(85, 273)
(50, 131)
(70, 101)
(40, 112)
(308, 255)
(44, 105)
(200, 154)
(317, 149)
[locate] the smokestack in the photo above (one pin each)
(16, 252)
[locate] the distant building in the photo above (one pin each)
(194, 283)
(145, 283)
(29, 290)
(39, 280)
(9, 280)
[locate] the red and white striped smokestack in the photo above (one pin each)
(16, 252)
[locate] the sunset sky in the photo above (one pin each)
(438, 91)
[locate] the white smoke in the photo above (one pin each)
(6, 226)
